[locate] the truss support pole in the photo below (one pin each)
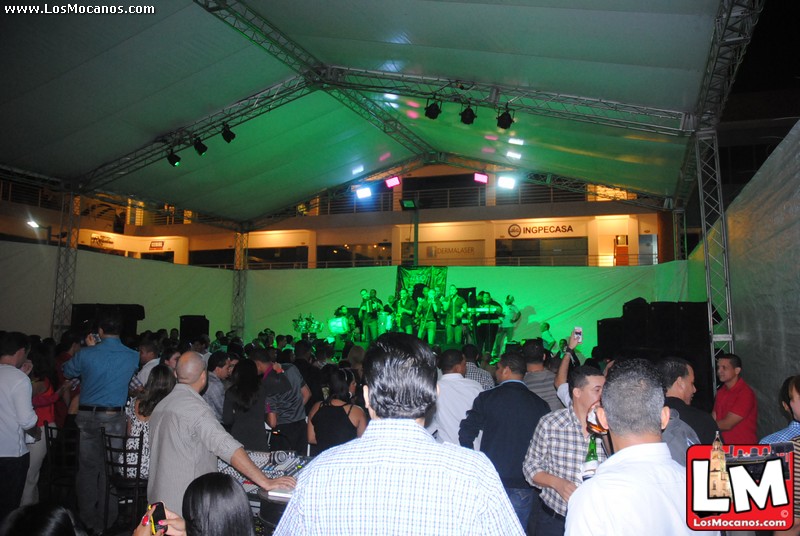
(239, 283)
(715, 245)
(679, 234)
(66, 264)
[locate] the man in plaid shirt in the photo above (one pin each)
(558, 448)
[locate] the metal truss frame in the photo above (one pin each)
(526, 100)
(733, 31)
(715, 245)
(66, 265)
(239, 283)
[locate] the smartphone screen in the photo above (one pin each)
(578, 335)
(156, 515)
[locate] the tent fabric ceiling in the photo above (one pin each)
(84, 90)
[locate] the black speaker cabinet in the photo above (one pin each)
(634, 316)
(86, 315)
(610, 335)
(193, 326)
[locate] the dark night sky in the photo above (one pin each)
(772, 60)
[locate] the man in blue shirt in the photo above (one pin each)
(105, 371)
(508, 415)
(400, 478)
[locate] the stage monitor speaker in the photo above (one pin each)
(192, 326)
(86, 315)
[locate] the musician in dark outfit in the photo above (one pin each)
(428, 315)
(368, 314)
(487, 320)
(405, 307)
(454, 307)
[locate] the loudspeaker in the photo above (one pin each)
(634, 316)
(662, 325)
(610, 335)
(192, 326)
(86, 315)
(693, 325)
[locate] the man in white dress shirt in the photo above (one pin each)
(456, 395)
(640, 489)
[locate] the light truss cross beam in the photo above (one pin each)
(525, 100)
(235, 114)
(262, 33)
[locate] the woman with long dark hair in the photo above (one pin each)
(245, 410)
(214, 504)
(159, 385)
(336, 419)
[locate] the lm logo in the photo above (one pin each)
(735, 487)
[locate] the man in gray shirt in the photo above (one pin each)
(186, 439)
(538, 379)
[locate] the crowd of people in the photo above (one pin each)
(395, 426)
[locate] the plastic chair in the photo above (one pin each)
(62, 460)
(122, 460)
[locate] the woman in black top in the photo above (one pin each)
(336, 420)
(245, 410)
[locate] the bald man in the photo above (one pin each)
(186, 439)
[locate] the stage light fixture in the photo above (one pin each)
(409, 204)
(391, 182)
(363, 192)
(227, 133)
(433, 109)
(468, 115)
(173, 159)
(505, 119)
(483, 178)
(200, 147)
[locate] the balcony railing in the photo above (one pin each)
(539, 260)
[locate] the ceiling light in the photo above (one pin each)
(512, 154)
(364, 192)
(505, 120)
(468, 115)
(227, 133)
(200, 147)
(173, 159)
(504, 181)
(481, 177)
(516, 141)
(391, 182)
(433, 110)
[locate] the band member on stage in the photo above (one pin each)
(487, 320)
(368, 314)
(386, 315)
(508, 322)
(352, 332)
(428, 314)
(405, 307)
(454, 307)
